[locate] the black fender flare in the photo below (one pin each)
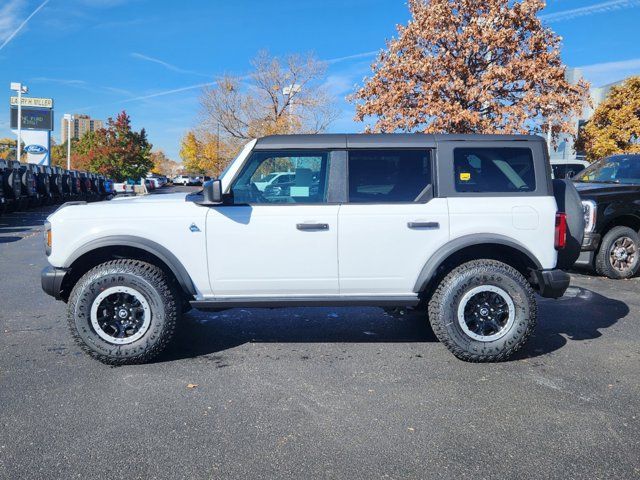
(443, 253)
(155, 249)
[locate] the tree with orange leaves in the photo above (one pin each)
(471, 66)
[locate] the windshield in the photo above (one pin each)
(615, 169)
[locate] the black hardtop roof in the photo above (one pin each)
(379, 140)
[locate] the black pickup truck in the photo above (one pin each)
(610, 192)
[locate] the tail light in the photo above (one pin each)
(560, 240)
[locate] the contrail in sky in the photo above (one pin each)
(21, 26)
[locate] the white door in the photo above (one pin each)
(282, 241)
(391, 225)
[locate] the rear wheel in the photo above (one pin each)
(618, 254)
(123, 312)
(483, 311)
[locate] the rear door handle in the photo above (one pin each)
(424, 225)
(312, 226)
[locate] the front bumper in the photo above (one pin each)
(51, 279)
(552, 283)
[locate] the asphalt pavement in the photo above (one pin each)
(316, 392)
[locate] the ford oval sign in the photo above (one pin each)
(35, 149)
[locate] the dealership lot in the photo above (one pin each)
(316, 393)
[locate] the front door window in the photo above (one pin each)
(271, 177)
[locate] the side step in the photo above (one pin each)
(310, 301)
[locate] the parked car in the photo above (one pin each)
(610, 191)
(378, 230)
(123, 188)
(109, 187)
(183, 180)
(96, 194)
(12, 183)
(68, 181)
(43, 182)
(275, 179)
(76, 185)
(567, 168)
(30, 196)
(55, 184)
(157, 181)
(3, 204)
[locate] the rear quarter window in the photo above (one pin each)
(498, 170)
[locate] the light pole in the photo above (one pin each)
(18, 87)
(69, 118)
(289, 91)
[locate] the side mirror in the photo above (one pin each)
(212, 192)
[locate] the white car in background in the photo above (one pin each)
(157, 182)
(123, 188)
(274, 178)
(183, 180)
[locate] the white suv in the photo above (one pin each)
(466, 226)
(183, 180)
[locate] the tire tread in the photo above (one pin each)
(436, 303)
(161, 283)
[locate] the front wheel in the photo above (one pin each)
(123, 312)
(618, 254)
(483, 311)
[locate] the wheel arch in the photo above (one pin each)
(472, 247)
(625, 220)
(125, 246)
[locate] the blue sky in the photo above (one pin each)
(151, 57)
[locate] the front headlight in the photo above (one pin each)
(48, 238)
(589, 209)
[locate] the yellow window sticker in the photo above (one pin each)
(465, 176)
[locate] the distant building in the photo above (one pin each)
(564, 149)
(80, 125)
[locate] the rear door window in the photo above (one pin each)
(388, 176)
(499, 170)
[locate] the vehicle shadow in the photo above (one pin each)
(206, 333)
(580, 315)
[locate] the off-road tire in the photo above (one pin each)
(603, 263)
(147, 279)
(443, 310)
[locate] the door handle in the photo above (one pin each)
(424, 225)
(312, 226)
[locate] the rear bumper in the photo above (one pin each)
(552, 283)
(590, 242)
(51, 279)
(585, 259)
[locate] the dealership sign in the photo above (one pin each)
(36, 124)
(32, 102)
(33, 118)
